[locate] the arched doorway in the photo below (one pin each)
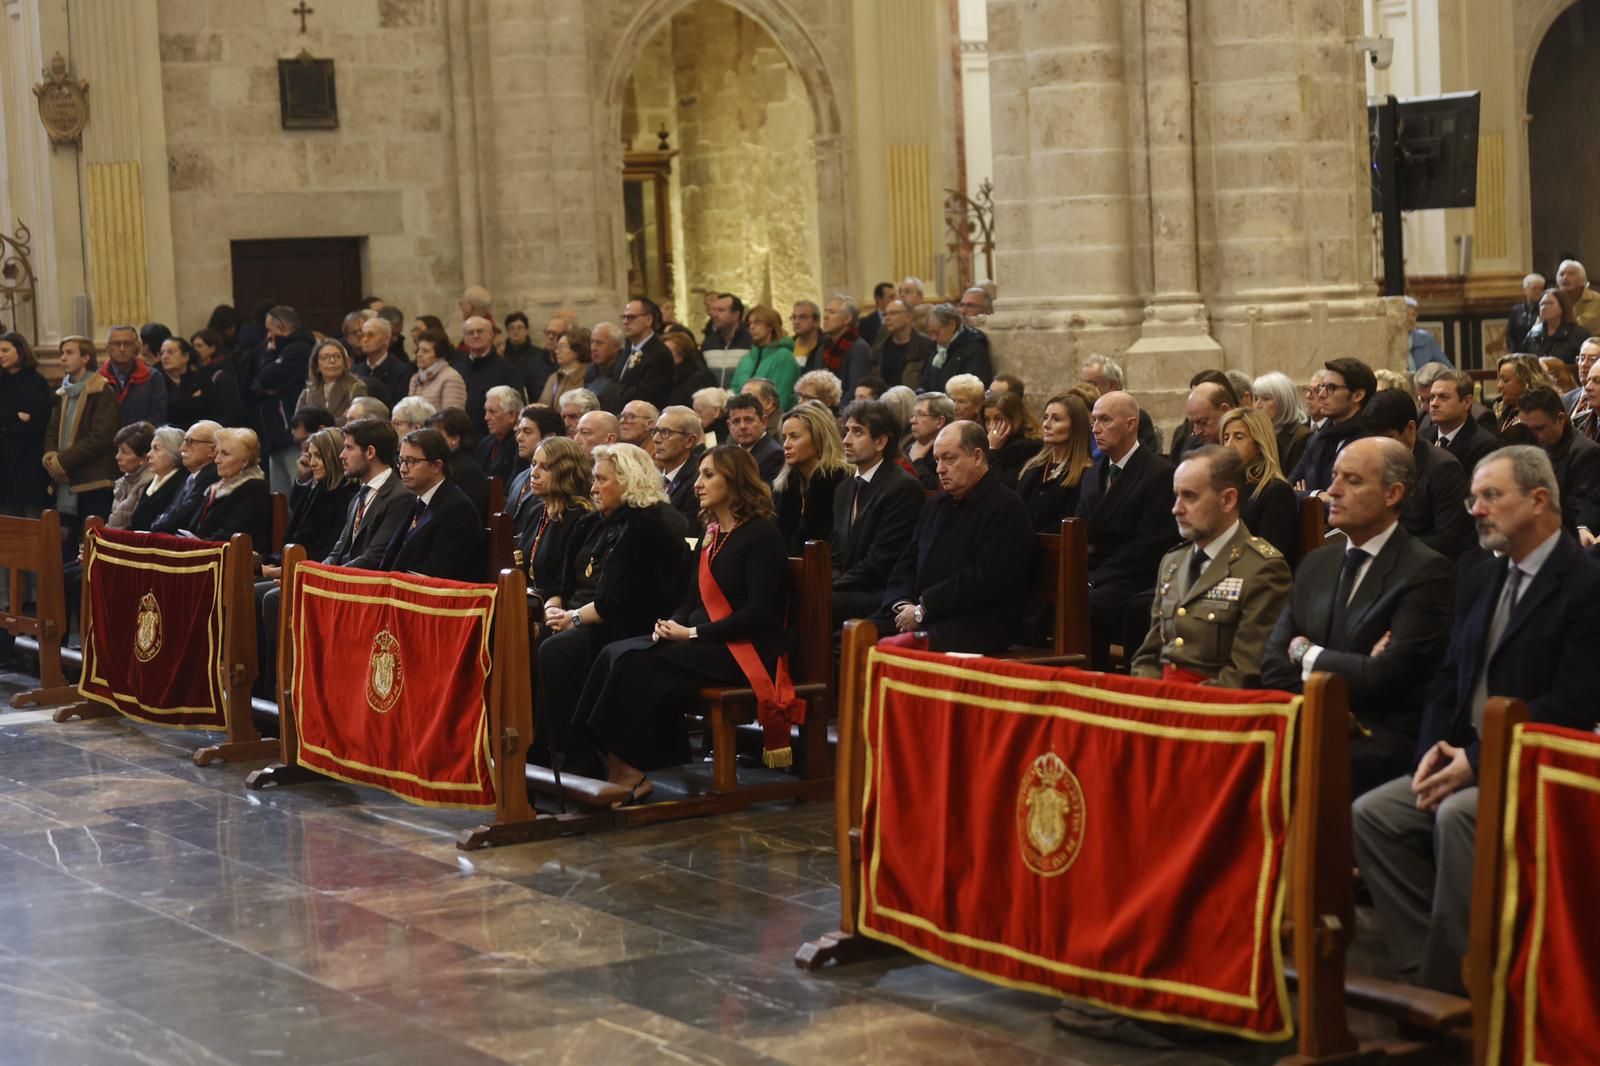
(754, 202)
(1563, 154)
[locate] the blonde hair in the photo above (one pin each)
(635, 471)
(824, 382)
(824, 433)
(965, 388)
(1267, 466)
(1394, 379)
(245, 437)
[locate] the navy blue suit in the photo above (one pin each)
(446, 539)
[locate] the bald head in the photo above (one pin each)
(1204, 409)
(1115, 423)
(477, 334)
(595, 428)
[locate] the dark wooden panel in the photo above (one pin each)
(318, 276)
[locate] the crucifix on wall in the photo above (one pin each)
(303, 11)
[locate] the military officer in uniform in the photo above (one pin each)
(1218, 596)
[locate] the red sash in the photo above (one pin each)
(777, 708)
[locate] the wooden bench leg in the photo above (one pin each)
(724, 749)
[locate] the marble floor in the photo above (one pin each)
(155, 912)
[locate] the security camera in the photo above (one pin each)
(1380, 50)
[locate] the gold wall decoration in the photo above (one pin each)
(63, 102)
(116, 243)
(1490, 213)
(911, 212)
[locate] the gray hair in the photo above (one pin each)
(947, 315)
(1430, 372)
(353, 321)
(1281, 390)
(1530, 469)
(505, 399)
(392, 315)
(379, 323)
(711, 394)
(680, 418)
(609, 331)
(1575, 265)
(849, 305)
(413, 409)
(1109, 367)
(171, 439)
(939, 406)
(809, 305)
(901, 402)
(286, 316)
(1533, 279)
(981, 291)
(583, 399)
(477, 297)
(1241, 383)
(1399, 466)
(367, 407)
(914, 282)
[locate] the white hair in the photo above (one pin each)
(507, 401)
(581, 398)
(1533, 279)
(1575, 265)
(1109, 367)
(1281, 390)
(712, 395)
(413, 409)
(636, 472)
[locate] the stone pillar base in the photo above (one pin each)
(1047, 345)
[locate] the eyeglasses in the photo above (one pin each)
(197, 440)
(1488, 497)
(632, 418)
(660, 431)
(1326, 388)
(407, 462)
(629, 318)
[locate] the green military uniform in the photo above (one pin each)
(1218, 626)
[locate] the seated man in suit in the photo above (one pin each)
(1451, 425)
(1525, 628)
(677, 435)
(747, 425)
(1576, 460)
(443, 536)
(874, 513)
(1376, 612)
(1218, 596)
(1126, 499)
(498, 453)
(198, 453)
(960, 583)
(1434, 511)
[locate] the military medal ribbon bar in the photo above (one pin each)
(1114, 840)
(152, 642)
(390, 683)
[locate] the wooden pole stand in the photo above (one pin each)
(33, 545)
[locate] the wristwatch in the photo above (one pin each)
(694, 631)
(575, 618)
(1297, 649)
(917, 613)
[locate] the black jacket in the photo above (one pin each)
(647, 374)
(444, 539)
(1009, 459)
(808, 514)
(1577, 463)
(1470, 444)
(713, 340)
(23, 481)
(968, 353)
(481, 375)
(1274, 516)
(1130, 524)
(226, 393)
(680, 493)
(280, 377)
(389, 381)
(639, 557)
(967, 565)
(901, 366)
(1434, 511)
(1407, 592)
(150, 508)
(468, 476)
(1292, 440)
(1315, 468)
(189, 399)
(534, 363)
(688, 379)
(316, 518)
(498, 458)
(363, 548)
(864, 551)
(1048, 502)
(1523, 317)
(1545, 656)
(1563, 343)
(180, 513)
(247, 509)
(768, 455)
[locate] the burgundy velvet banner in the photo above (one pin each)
(1115, 840)
(1547, 976)
(152, 642)
(390, 676)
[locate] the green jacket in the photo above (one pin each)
(775, 362)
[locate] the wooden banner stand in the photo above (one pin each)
(240, 667)
(510, 720)
(34, 545)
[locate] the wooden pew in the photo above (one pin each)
(502, 541)
(33, 545)
(1310, 531)
(1059, 580)
(497, 495)
(280, 522)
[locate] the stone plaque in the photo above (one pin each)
(63, 102)
(306, 98)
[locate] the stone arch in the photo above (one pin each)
(1544, 16)
(793, 39)
(1561, 76)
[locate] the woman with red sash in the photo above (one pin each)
(728, 632)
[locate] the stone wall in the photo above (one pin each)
(387, 173)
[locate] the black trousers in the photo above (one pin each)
(854, 603)
(565, 659)
(1110, 608)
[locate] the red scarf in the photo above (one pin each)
(777, 708)
(835, 350)
(140, 375)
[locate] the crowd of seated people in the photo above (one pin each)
(654, 505)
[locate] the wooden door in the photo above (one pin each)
(320, 277)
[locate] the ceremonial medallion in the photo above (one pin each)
(385, 675)
(63, 102)
(147, 629)
(1049, 816)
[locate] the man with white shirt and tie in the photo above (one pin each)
(1374, 610)
(1450, 422)
(874, 513)
(1525, 628)
(677, 435)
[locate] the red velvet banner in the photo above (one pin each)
(390, 676)
(152, 642)
(1547, 978)
(1114, 840)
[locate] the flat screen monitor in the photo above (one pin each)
(1438, 148)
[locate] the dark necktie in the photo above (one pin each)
(362, 498)
(1112, 470)
(1341, 598)
(1592, 427)
(1197, 566)
(855, 498)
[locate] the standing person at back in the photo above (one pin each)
(282, 366)
(1525, 628)
(647, 365)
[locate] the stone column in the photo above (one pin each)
(1064, 206)
(1282, 186)
(1176, 330)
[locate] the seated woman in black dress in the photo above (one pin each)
(813, 467)
(1271, 510)
(624, 569)
(1013, 435)
(317, 514)
(167, 477)
(1050, 482)
(729, 631)
(559, 480)
(239, 501)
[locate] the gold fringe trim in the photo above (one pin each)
(778, 758)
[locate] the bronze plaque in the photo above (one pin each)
(306, 97)
(63, 102)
